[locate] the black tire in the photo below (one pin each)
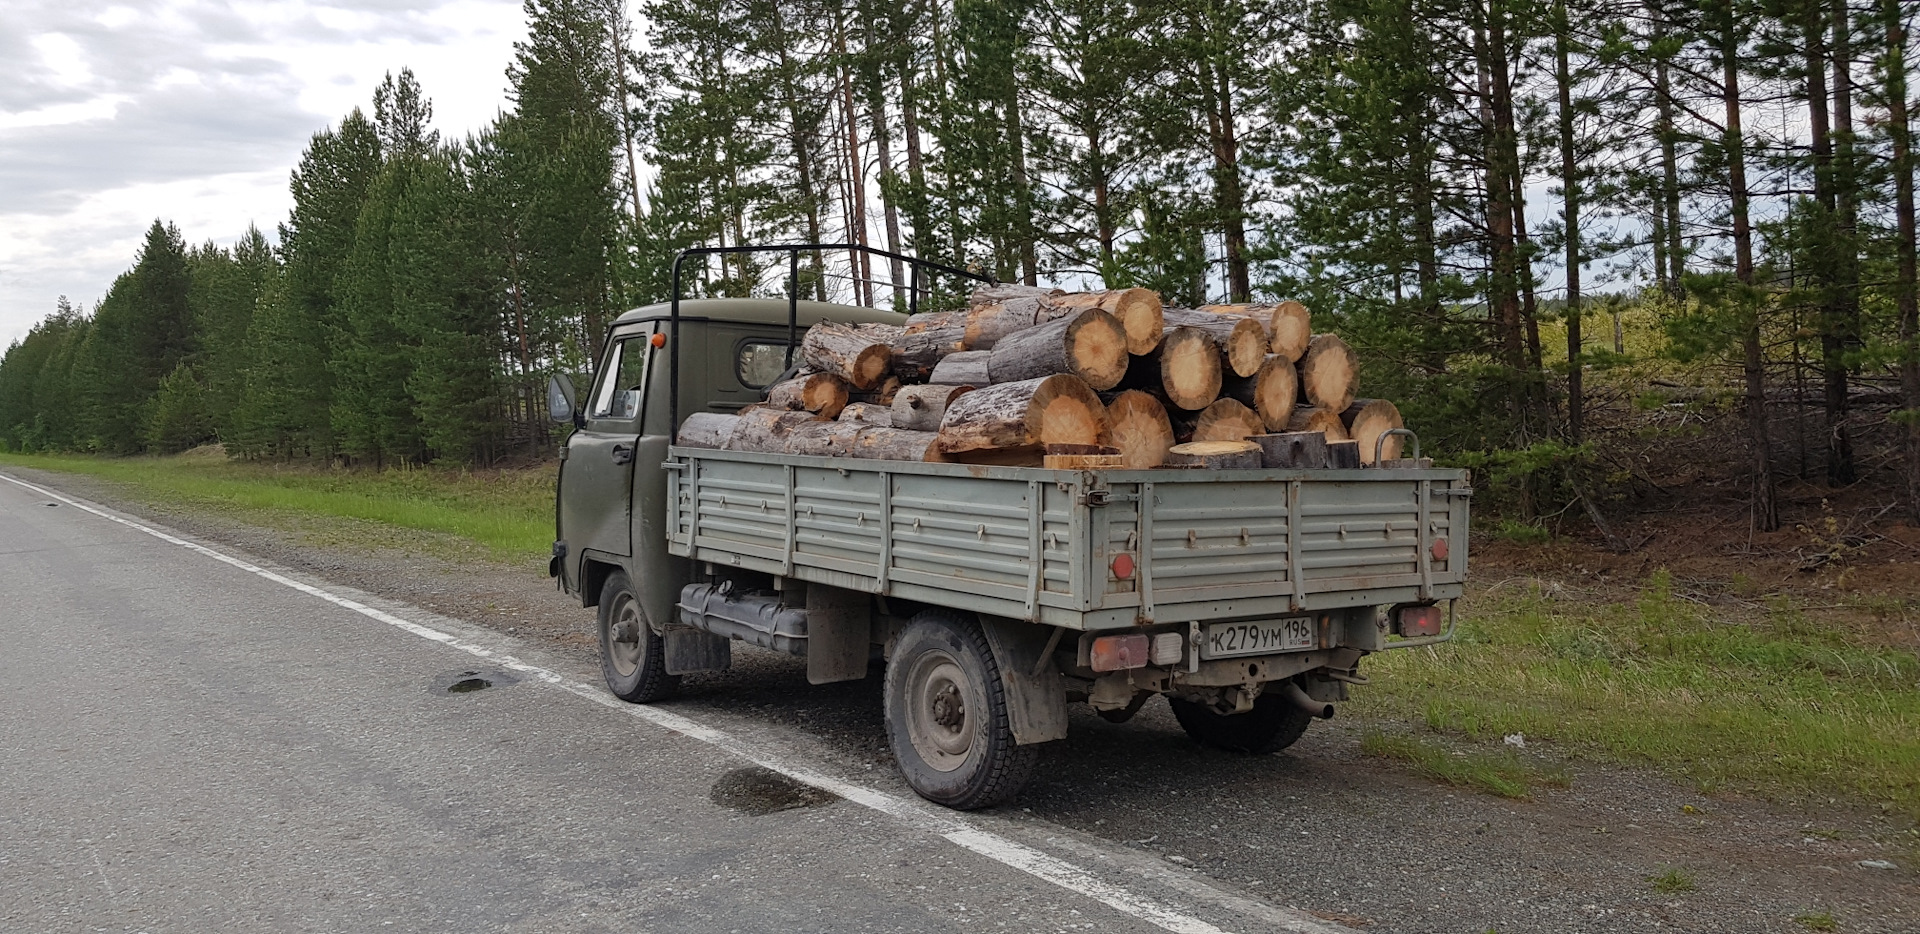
(633, 657)
(1272, 725)
(946, 713)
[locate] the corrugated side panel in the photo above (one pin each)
(962, 533)
(1356, 536)
(1212, 534)
(742, 508)
(837, 519)
(1057, 539)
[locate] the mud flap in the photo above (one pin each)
(839, 627)
(693, 650)
(1036, 704)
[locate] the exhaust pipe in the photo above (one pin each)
(1298, 698)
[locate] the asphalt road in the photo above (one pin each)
(188, 745)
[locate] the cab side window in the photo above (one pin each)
(622, 380)
(758, 363)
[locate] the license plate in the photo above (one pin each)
(1263, 637)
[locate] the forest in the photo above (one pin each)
(1470, 192)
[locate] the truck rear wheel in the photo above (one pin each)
(632, 656)
(1272, 725)
(947, 715)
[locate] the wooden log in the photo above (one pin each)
(920, 408)
(706, 430)
(988, 324)
(823, 393)
(1243, 342)
(1089, 344)
(1008, 291)
(1215, 455)
(894, 444)
(862, 355)
(916, 353)
(881, 395)
(823, 439)
(933, 320)
(1406, 463)
(1271, 392)
(1298, 449)
(1139, 312)
(1140, 429)
(966, 368)
(1227, 420)
(1288, 325)
(1057, 409)
(1343, 454)
(868, 413)
(1366, 421)
(1030, 455)
(1327, 373)
(1313, 418)
(766, 429)
(1082, 457)
(1185, 368)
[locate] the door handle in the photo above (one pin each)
(623, 454)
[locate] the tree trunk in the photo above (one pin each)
(966, 368)
(862, 355)
(1056, 409)
(918, 352)
(1569, 216)
(1272, 391)
(920, 408)
(1089, 344)
(1186, 368)
(1766, 512)
(1138, 310)
(1328, 373)
(1844, 251)
(1287, 324)
(894, 444)
(706, 430)
(1140, 429)
(1243, 342)
(1906, 294)
(767, 429)
(868, 413)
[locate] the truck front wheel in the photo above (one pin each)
(947, 715)
(1272, 725)
(632, 655)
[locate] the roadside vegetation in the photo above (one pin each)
(1739, 696)
(508, 512)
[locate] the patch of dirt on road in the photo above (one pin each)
(1357, 840)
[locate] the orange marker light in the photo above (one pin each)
(1117, 653)
(658, 340)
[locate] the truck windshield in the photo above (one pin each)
(622, 379)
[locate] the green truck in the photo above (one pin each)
(995, 596)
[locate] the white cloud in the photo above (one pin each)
(194, 111)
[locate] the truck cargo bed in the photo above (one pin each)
(1041, 545)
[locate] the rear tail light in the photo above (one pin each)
(1117, 653)
(1167, 648)
(1414, 621)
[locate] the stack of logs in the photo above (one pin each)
(1023, 373)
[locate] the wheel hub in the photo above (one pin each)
(948, 709)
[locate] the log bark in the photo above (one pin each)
(1088, 344)
(1008, 291)
(1343, 454)
(1186, 368)
(823, 439)
(1328, 372)
(1287, 324)
(1227, 420)
(966, 368)
(767, 429)
(1297, 449)
(1140, 429)
(1082, 457)
(991, 323)
(920, 408)
(1057, 409)
(895, 444)
(1215, 455)
(706, 430)
(1271, 392)
(934, 320)
(862, 355)
(1314, 418)
(868, 413)
(1243, 342)
(1367, 420)
(881, 394)
(823, 393)
(916, 353)
(1139, 312)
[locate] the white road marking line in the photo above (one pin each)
(945, 825)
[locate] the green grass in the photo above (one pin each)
(1673, 881)
(1821, 920)
(1761, 699)
(507, 512)
(1502, 773)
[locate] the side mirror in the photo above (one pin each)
(560, 401)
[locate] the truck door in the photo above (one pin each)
(596, 476)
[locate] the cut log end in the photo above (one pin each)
(1190, 367)
(1328, 372)
(1215, 455)
(1057, 409)
(1140, 429)
(1313, 418)
(1367, 420)
(1227, 420)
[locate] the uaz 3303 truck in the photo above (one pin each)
(995, 595)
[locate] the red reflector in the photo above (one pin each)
(1116, 653)
(1123, 566)
(1439, 549)
(1420, 620)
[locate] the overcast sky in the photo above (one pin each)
(194, 111)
